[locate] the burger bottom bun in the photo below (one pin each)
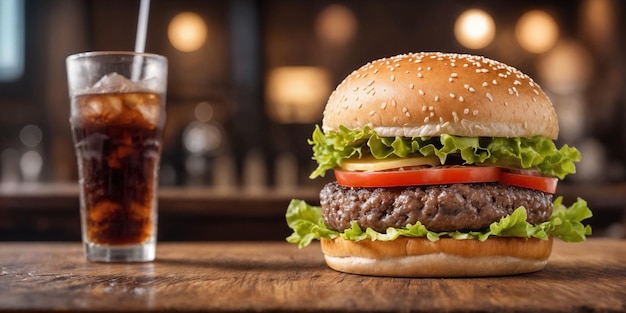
(420, 257)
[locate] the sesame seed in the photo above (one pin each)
(360, 105)
(364, 75)
(461, 98)
(510, 91)
(419, 69)
(424, 108)
(475, 112)
(426, 119)
(407, 72)
(370, 82)
(393, 103)
(471, 89)
(393, 77)
(454, 75)
(372, 112)
(383, 105)
(465, 65)
(395, 119)
(485, 84)
(404, 109)
(408, 114)
(452, 95)
(494, 82)
(355, 89)
(375, 71)
(466, 111)
(466, 86)
(431, 108)
(436, 98)
(419, 75)
(517, 82)
(432, 114)
(536, 92)
(421, 92)
(411, 86)
(488, 95)
(450, 79)
(428, 68)
(456, 117)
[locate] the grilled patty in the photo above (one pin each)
(438, 207)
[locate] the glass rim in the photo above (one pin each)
(87, 54)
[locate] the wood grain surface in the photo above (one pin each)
(275, 276)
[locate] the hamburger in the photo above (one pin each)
(445, 166)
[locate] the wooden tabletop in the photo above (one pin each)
(276, 276)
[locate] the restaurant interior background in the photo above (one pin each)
(248, 81)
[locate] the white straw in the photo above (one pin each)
(142, 26)
(140, 38)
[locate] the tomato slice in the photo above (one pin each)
(545, 184)
(426, 176)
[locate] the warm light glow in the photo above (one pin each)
(567, 68)
(297, 94)
(598, 20)
(474, 29)
(203, 112)
(536, 31)
(336, 24)
(187, 32)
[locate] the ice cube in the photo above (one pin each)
(102, 106)
(152, 83)
(114, 82)
(144, 108)
(150, 112)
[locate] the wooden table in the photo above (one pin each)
(277, 276)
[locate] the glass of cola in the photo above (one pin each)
(117, 118)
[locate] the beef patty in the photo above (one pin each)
(438, 207)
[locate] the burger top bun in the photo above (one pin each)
(430, 94)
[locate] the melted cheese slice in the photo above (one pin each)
(372, 164)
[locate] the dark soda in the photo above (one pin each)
(118, 144)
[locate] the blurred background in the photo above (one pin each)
(248, 81)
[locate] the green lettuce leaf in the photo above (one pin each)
(536, 153)
(307, 224)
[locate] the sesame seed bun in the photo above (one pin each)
(430, 94)
(420, 257)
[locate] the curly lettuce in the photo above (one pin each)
(536, 153)
(565, 223)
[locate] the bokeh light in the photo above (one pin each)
(187, 32)
(336, 24)
(474, 29)
(567, 68)
(536, 31)
(297, 94)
